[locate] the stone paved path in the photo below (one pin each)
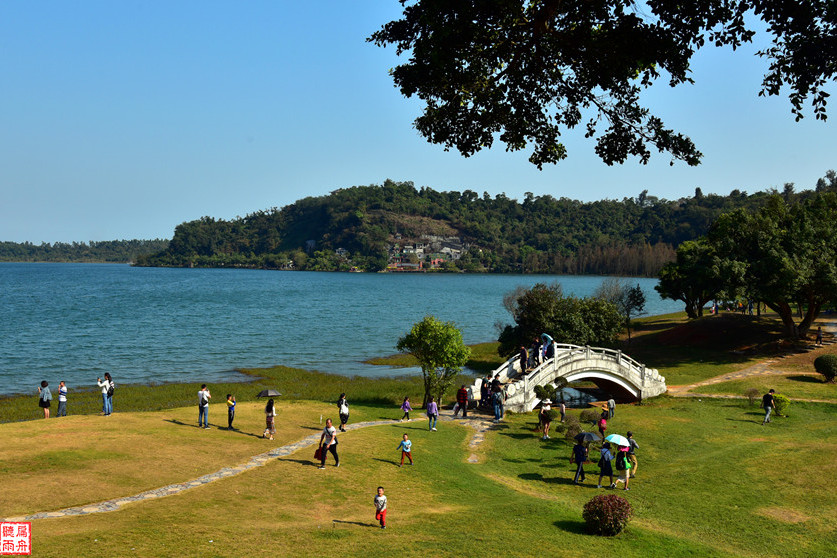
(480, 426)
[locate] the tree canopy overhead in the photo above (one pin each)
(524, 70)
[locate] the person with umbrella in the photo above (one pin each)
(270, 418)
(343, 411)
(623, 464)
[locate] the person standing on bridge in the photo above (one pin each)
(524, 359)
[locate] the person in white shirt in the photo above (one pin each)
(62, 399)
(203, 407)
(328, 443)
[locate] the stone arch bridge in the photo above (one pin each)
(611, 370)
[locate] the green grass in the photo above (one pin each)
(795, 386)
(711, 482)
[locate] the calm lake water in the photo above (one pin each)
(75, 322)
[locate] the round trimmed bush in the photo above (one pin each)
(827, 366)
(590, 415)
(607, 514)
(782, 403)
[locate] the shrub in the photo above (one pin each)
(782, 403)
(607, 514)
(589, 415)
(827, 366)
(751, 394)
(573, 429)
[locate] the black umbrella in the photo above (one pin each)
(587, 437)
(269, 393)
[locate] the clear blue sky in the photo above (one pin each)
(124, 119)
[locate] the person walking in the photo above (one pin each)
(107, 386)
(381, 507)
(768, 404)
(462, 401)
(602, 424)
(62, 399)
(819, 335)
(546, 417)
(269, 419)
(563, 410)
(328, 443)
(406, 407)
(605, 466)
(230, 410)
(623, 466)
(406, 447)
(580, 454)
(203, 407)
(611, 408)
(523, 357)
(499, 400)
(432, 414)
(632, 453)
(343, 411)
(44, 398)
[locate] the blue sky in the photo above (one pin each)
(124, 119)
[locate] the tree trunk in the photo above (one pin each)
(810, 316)
(786, 313)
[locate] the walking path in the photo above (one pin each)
(480, 426)
(763, 368)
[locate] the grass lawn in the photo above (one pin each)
(795, 386)
(711, 482)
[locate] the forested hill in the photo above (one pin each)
(399, 227)
(109, 251)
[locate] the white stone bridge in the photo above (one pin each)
(611, 370)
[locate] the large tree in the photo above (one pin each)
(695, 278)
(524, 70)
(568, 319)
(441, 353)
(786, 255)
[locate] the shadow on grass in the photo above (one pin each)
(306, 462)
(517, 435)
(540, 477)
(391, 461)
(521, 461)
(358, 523)
(806, 379)
(577, 527)
(224, 428)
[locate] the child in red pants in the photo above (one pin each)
(381, 507)
(405, 446)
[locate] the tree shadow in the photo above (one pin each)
(358, 523)
(806, 379)
(577, 527)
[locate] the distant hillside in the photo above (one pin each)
(110, 251)
(394, 225)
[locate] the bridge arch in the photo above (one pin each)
(609, 369)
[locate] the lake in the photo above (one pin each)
(75, 322)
